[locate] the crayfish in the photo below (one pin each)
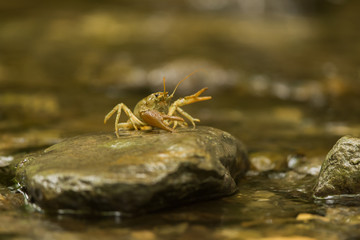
(156, 110)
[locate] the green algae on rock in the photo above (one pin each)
(136, 173)
(340, 172)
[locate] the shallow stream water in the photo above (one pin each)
(284, 82)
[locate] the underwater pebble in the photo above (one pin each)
(307, 217)
(266, 161)
(5, 160)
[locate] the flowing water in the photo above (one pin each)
(284, 80)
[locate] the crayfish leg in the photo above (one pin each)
(132, 123)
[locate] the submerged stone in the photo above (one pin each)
(136, 173)
(340, 172)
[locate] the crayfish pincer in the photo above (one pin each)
(156, 110)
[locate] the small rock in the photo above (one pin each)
(305, 165)
(266, 161)
(308, 217)
(349, 215)
(10, 200)
(5, 160)
(340, 172)
(136, 173)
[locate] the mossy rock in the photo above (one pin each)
(136, 173)
(340, 172)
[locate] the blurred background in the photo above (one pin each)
(280, 72)
(284, 76)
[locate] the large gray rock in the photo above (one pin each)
(340, 172)
(136, 173)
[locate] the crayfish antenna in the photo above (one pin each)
(164, 86)
(198, 70)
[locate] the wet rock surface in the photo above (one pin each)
(136, 173)
(340, 172)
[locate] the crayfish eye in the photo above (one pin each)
(156, 94)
